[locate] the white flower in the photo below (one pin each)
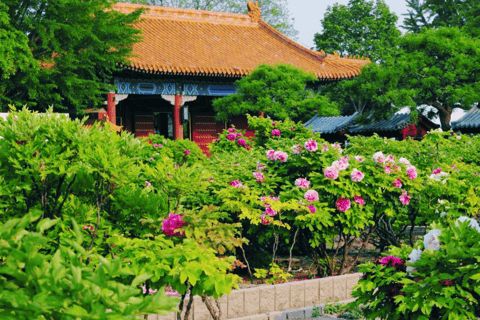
(1, 137)
(46, 140)
(473, 223)
(379, 157)
(441, 177)
(431, 241)
(414, 256)
(443, 214)
(404, 161)
(441, 201)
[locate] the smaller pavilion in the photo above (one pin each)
(469, 123)
(399, 126)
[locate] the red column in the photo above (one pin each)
(177, 124)
(111, 108)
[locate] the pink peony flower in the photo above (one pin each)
(238, 134)
(325, 147)
(231, 130)
(296, 149)
(394, 261)
(276, 133)
(404, 161)
(89, 227)
(437, 171)
(259, 176)
(387, 169)
(331, 173)
(397, 183)
(271, 154)
(170, 292)
(412, 172)
(271, 212)
(274, 123)
(359, 200)
(148, 183)
(337, 147)
(312, 209)
(357, 176)
(379, 157)
(264, 219)
(359, 159)
(405, 198)
(172, 223)
(343, 204)
(242, 143)
(390, 159)
(341, 164)
(302, 183)
(231, 136)
(260, 166)
(280, 155)
(187, 152)
(292, 128)
(311, 145)
(235, 184)
(311, 195)
(158, 146)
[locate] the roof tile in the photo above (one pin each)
(471, 119)
(216, 43)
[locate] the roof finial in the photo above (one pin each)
(254, 11)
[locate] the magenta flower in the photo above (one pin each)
(302, 183)
(89, 227)
(357, 176)
(311, 195)
(274, 124)
(343, 204)
(387, 169)
(148, 183)
(271, 212)
(359, 200)
(158, 146)
(296, 149)
(259, 176)
(390, 159)
(231, 136)
(280, 155)
(231, 130)
(312, 209)
(437, 171)
(235, 184)
(359, 159)
(412, 172)
(264, 219)
(238, 134)
(172, 223)
(311, 145)
(379, 157)
(242, 143)
(325, 147)
(260, 166)
(187, 152)
(394, 261)
(331, 173)
(215, 140)
(276, 132)
(405, 198)
(170, 292)
(292, 128)
(397, 183)
(270, 154)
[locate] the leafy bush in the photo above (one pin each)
(438, 279)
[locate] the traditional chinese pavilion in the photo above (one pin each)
(399, 127)
(189, 57)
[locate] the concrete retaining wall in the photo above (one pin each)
(273, 298)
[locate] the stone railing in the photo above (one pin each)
(274, 298)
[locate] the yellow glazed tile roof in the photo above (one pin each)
(206, 43)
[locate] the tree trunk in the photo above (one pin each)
(445, 118)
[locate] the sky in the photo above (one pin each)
(308, 14)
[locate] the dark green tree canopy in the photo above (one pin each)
(362, 27)
(436, 67)
(63, 51)
(277, 90)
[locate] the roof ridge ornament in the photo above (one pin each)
(254, 11)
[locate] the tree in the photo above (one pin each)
(443, 13)
(274, 12)
(361, 28)
(63, 51)
(436, 67)
(277, 90)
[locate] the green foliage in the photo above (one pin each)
(62, 285)
(231, 140)
(361, 28)
(316, 312)
(277, 90)
(78, 45)
(441, 284)
(182, 151)
(277, 274)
